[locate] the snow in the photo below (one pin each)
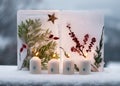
(114, 67)
(9, 75)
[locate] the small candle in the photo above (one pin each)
(35, 65)
(85, 67)
(53, 66)
(68, 66)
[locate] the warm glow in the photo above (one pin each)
(68, 55)
(37, 54)
(54, 55)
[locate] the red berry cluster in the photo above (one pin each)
(52, 37)
(79, 48)
(93, 40)
(86, 37)
(73, 49)
(23, 46)
(74, 38)
(85, 40)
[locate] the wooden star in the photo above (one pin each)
(52, 18)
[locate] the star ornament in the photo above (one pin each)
(52, 18)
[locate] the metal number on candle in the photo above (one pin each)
(52, 69)
(53, 66)
(83, 69)
(68, 68)
(34, 67)
(69, 65)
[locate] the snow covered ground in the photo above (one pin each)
(10, 76)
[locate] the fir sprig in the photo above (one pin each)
(38, 41)
(97, 56)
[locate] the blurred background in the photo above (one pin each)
(8, 23)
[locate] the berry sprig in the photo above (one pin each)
(93, 40)
(85, 40)
(86, 37)
(80, 48)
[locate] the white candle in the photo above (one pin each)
(53, 66)
(35, 65)
(68, 66)
(85, 66)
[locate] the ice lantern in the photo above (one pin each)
(77, 32)
(37, 32)
(81, 34)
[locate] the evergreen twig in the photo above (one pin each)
(97, 56)
(37, 40)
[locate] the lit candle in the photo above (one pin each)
(68, 66)
(85, 66)
(53, 66)
(35, 65)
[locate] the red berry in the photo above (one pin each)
(69, 33)
(24, 46)
(77, 46)
(93, 39)
(72, 34)
(75, 40)
(86, 36)
(68, 26)
(89, 47)
(21, 49)
(82, 46)
(73, 49)
(92, 43)
(55, 38)
(86, 39)
(86, 50)
(51, 36)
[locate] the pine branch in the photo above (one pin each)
(31, 33)
(97, 57)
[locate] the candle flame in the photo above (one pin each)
(68, 55)
(37, 54)
(54, 55)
